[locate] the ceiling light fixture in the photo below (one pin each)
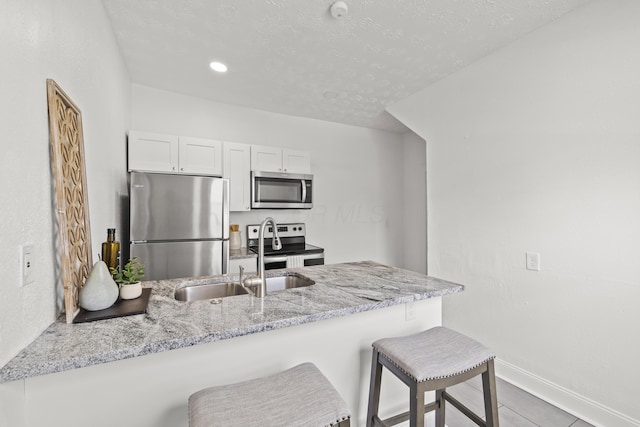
(339, 9)
(218, 66)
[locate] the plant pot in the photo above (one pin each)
(130, 291)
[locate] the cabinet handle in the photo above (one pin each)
(173, 168)
(181, 169)
(285, 170)
(280, 169)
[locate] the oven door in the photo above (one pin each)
(271, 190)
(305, 260)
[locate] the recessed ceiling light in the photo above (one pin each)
(339, 9)
(218, 66)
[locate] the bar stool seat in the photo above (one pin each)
(300, 396)
(432, 360)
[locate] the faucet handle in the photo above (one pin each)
(276, 243)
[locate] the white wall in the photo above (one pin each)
(72, 43)
(536, 148)
(358, 172)
(414, 218)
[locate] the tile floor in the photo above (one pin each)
(516, 407)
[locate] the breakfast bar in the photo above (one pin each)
(125, 363)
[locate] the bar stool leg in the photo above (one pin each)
(374, 388)
(490, 395)
(440, 409)
(416, 407)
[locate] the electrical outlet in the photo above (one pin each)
(409, 311)
(27, 265)
(533, 261)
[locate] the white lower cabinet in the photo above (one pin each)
(237, 168)
(250, 265)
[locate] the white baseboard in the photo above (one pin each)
(578, 405)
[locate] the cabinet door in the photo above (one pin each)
(266, 159)
(236, 167)
(200, 156)
(294, 161)
(152, 152)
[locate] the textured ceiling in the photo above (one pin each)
(292, 57)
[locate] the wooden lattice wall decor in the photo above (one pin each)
(70, 181)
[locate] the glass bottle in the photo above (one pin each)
(111, 250)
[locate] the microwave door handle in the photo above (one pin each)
(304, 191)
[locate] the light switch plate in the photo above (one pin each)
(409, 311)
(26, 264)
(533, 261)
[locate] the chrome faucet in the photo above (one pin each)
(259, 281)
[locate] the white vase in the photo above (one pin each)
(99, 291)
(131, 291)
(235, 242)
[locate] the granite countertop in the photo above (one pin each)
(339, 290)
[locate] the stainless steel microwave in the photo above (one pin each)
(275, 190)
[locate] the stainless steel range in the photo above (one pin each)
(295, 252)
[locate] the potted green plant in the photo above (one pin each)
(128, 278)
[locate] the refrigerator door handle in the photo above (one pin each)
(225, 209)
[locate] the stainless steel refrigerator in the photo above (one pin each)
(179, 224)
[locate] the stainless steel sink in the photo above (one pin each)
(221, 290)
(287, 282)
(210, 291)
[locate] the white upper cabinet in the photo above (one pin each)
(266, 159)
(294, 161)
(200, 156)
(273, 159)
(236, 166)
(151, 152)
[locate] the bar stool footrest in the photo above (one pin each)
(400, 418)
(460, 407)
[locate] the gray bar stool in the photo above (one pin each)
(300, 396)
(432, 360)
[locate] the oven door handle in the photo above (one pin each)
(313, 256)
(272, 259)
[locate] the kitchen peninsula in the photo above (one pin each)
(331, 323)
